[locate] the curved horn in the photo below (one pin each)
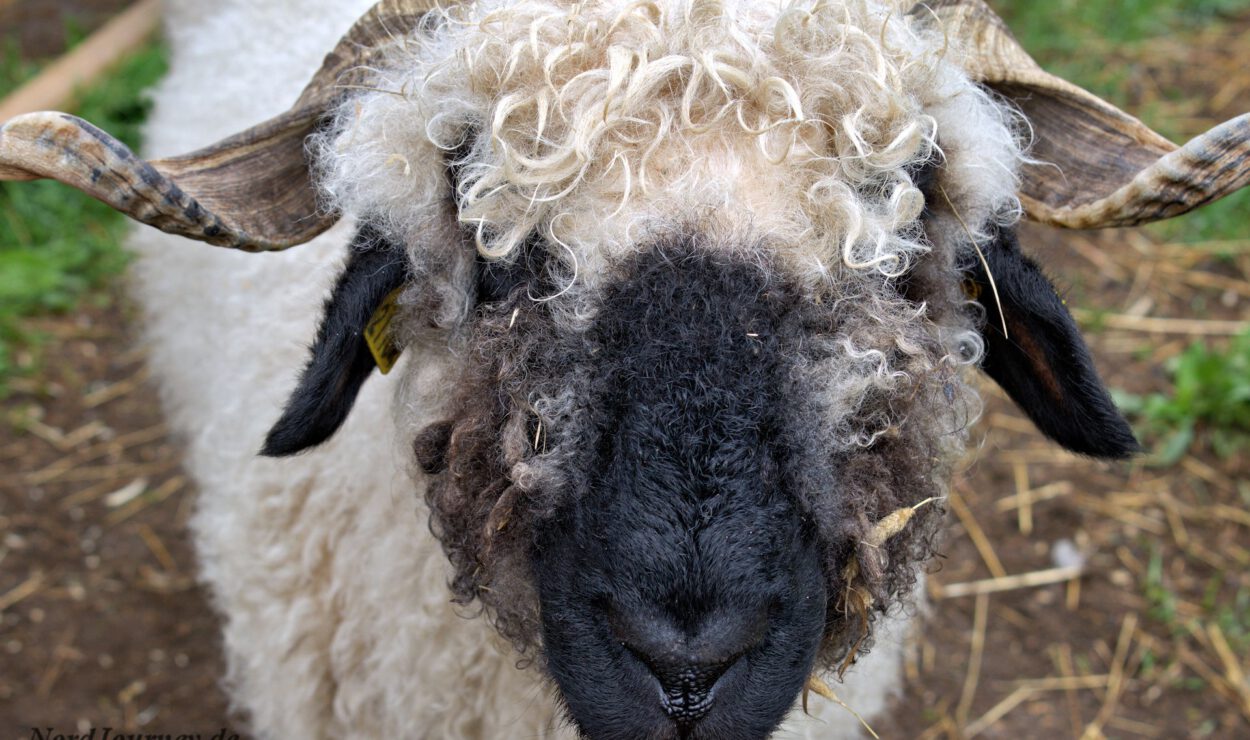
(252, 191)
(1097, 165)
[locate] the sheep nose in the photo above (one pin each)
(688, 688)
(690, 665)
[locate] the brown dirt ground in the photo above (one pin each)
(102, 624)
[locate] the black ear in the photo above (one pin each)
(1042, 362)
(341, 360)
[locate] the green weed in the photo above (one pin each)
(1210, 394)
(1060, 24)
(1234, 621)
(1161, 598)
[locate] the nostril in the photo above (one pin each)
(687, 689)
(690, 665)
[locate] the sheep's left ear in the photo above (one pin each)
(252, 191)
(1042, 361)
(1091, 165)
(340, 360)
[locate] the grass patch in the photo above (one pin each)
(1210, 397)
(1234, 621)
(1074, 38)
(14, 70)
(56, 244)
(1161, 598)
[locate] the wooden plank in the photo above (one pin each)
(55, 87)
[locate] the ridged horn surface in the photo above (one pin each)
(252, 191)
(1097, 165)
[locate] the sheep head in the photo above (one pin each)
(710, 273)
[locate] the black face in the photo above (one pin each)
(658, 500)
(683, 595)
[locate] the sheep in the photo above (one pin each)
(686, 293)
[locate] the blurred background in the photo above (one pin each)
(102, 623)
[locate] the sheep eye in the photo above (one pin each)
(497, 280)
(924, 177)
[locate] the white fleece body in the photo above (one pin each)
(337, 619)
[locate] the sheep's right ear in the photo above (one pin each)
(1035, 352)
(341, 360)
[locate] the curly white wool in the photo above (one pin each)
(601, 125)
(596, 122)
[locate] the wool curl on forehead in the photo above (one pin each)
(583, 121)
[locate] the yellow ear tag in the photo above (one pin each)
(378, 332)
